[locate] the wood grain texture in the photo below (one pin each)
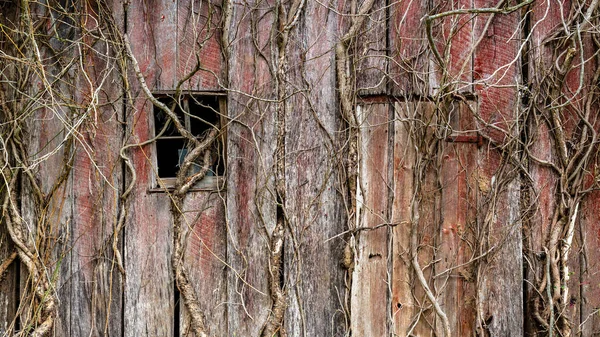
(205, 259)
(96, 293)
(416, 208)
(369, 296)
(96, 281)
(544, 180)
(57, 217)
(409, 59)
(371, 52)
(251, 203)
(456, 279)
(149, 286)
(198, 40)
(9, 281)
(48, 226)
(426, 213)
(403, 304)
(148, 236)
(495, 72)
(313, 206)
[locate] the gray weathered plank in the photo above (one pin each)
(9, 281)
(416, 211)
(403, 306)
(148, 235)
(371, 52)
(205, 259)
(369, 302)
(313, 207)
(251, 202)
(500, 294)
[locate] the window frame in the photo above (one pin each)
(208, 183)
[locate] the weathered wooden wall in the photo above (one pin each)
(432, 226)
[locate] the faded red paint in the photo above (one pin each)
(406, 37)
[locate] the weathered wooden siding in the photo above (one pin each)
(370, 278)
(442, 224)
(95, 278)
(9, 270)
(166, 37)
(495, 74)
(250, 210)
(313, 206)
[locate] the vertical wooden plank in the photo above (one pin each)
(426, 214)
(152, 30)
(409, 63)
(96, 293)
(46, 134)
(205, 260)
(96, 280)
(369, 300)
(495, 72)
(456, 279)
(579, 296)
(48, 227)
(589, 259)
(250, 212)
(416, 211)
(313, 275)
(149, 287)
(198, 40)
(403, 304)
(9, 280)
(371, 52)
(544, 181)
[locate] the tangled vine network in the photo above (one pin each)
(68, 62)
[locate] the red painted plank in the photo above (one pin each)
(250, 209)
(96, 293)
(205, 260)
(495, 73)
(149, 297)
(458, 216)
(453, 36)
(409, 63)
(198, 39)
(149, 287)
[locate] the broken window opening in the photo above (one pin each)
(199, 114)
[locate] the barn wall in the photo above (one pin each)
(445, 221)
